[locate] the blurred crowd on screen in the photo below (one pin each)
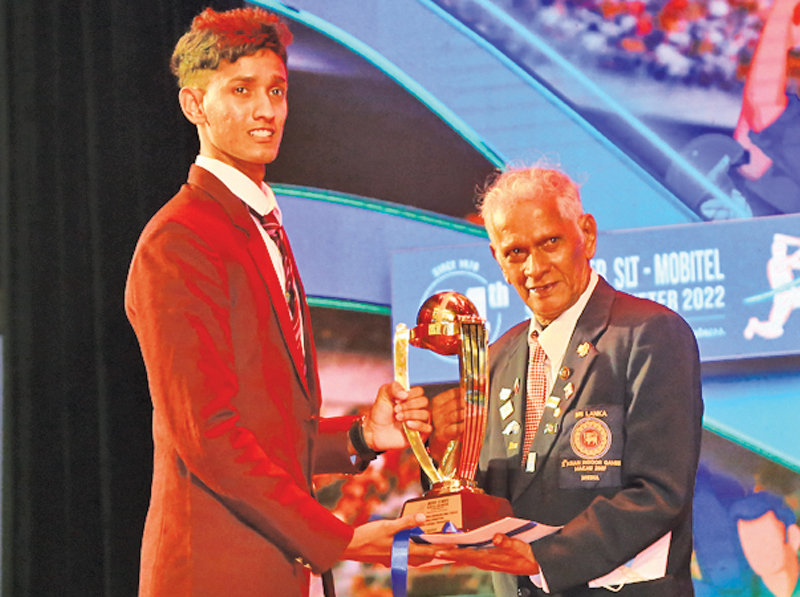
(696, 42)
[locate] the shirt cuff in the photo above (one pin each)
(540, 582)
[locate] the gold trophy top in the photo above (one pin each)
(439, 322)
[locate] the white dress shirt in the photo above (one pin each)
(260, 198)
(554, 340)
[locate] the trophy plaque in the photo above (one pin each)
(449, 324)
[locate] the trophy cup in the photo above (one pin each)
(448, 323)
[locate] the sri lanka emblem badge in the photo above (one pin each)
(591, 438)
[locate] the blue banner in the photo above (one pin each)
(733, 282)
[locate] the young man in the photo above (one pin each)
(594, 413)
(224, 329)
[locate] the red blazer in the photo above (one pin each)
(235, 423)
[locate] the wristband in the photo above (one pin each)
(356, 434)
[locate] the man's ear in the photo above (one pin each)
(191, 101)
(588, 226)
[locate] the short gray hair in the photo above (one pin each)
(530, 184)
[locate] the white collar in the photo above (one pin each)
(259, 197)
(556, 336)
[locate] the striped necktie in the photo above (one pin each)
(535, 392)
(269, 222)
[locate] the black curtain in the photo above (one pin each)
(92, 143)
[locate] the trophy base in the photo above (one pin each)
(462, 503)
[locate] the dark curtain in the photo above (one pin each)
(92, 143)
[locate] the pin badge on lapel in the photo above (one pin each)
(569, 390)
(583, 349)
(506, 409)
(552, 402)
(505, 394)
(512, 428)
(565, 372)
(530, 463)
(516, 386)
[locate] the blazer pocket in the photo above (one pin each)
(590, 448)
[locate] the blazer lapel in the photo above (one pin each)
(500, 458)
(569, 384)
(240, 218)
(511, 401)
(312, 375)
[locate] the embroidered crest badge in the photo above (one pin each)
(591, 438)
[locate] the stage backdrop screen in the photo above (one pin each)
(732, 281)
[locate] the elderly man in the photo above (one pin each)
(595, 411)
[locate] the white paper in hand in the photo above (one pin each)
(524, 530)
(649, 564)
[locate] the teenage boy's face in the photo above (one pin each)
(244, 111)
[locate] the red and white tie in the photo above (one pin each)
(274, 229)
(536, 391)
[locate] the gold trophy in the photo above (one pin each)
(448, 323)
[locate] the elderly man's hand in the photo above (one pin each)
(508, 555)
(447, 416)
